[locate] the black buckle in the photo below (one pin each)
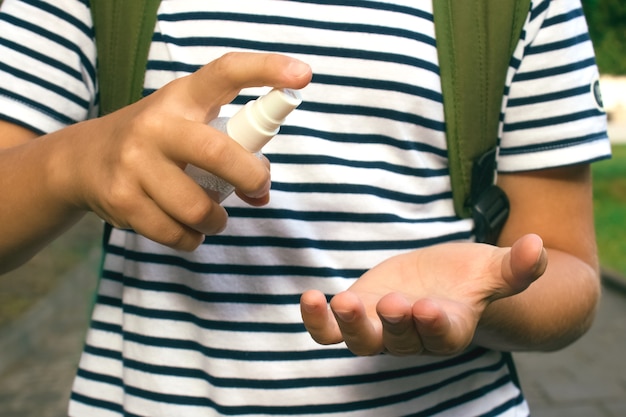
(490, 205)
(490, 212)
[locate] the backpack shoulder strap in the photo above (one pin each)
(475, 42)
(123, 31)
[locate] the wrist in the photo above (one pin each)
(556, 310)
(63, 160)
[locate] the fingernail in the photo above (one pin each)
(426, 320)
(393, 319)
(262, 192)
(308, 308)
(345, 316)
(298, 69)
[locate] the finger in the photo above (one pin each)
(361, 335)
(317, 318)
(400, 335)
(258, 200)
(215, 152)
(523, 264)
(255, 201)
(183, 200)
(220, 81)
(148, 220)
(437, 331)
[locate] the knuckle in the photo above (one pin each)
(173, 236)
(262, 178)
(224, 65)
(258, 179)
(199, 212)
(136, 140)
(144, 123)
(216, 150)
(120, 198)
(227, 60)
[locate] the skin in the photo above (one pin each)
(127, 167)
(530, 293)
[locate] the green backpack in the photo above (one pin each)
(475, 42)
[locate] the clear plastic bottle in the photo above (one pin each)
(252, 127)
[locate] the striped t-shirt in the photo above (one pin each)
(359, 174)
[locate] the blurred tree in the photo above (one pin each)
(607, 27)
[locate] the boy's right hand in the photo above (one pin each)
(128, 166)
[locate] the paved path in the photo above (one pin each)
(39, 352)
(587, 379)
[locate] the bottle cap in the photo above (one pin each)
(259, 120)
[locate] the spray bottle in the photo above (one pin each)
(252, 127)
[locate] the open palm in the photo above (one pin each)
(426, 301)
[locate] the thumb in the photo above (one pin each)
(218, 82)
(524, 263)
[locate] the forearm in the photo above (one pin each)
(553, 312)
(34, 212)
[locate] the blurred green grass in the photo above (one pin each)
(610, 209)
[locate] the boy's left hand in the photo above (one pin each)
(428, 301)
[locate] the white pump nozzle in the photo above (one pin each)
(259, 120)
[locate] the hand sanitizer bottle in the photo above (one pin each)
(252, 127)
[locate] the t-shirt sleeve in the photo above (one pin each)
(553, 115)
(47, 71)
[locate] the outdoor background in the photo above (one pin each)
(44, 306)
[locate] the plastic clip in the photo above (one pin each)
(490, 212)
(490, 205)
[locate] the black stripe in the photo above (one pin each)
(336, 245)
(202, 296)
(363, 189)
(206, 324)
(376, 5)
(249, 270)
(298, 23)
(383, 85)
(553, 71)
(542, 98)
(555, 46)
(516, 150)
(562, 18)
(372, 139)
(551, 121)
(319, 159)
(97, 403)
(330, 216)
